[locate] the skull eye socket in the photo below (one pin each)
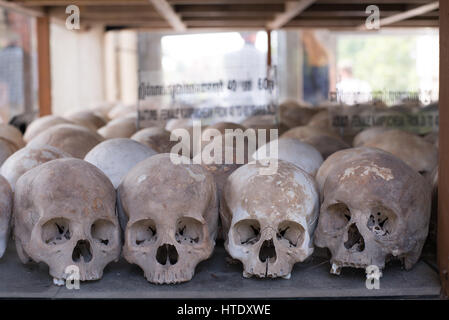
(102, 231)
(247, 232)
(189, 231)
(56, 231)
(290, 233)
(143, 232)
(337, 217)
(381, 221)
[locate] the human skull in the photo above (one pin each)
(326, 145)
(5, 213)
(305, 132)
(292, 150)
(73, 139)
(370, 133)
(419, 154)
(12, 134)
(115, 157)
(374, 207)
(90, 119)
(64, 215)
(293, 114)
(41, 124)
(26, 159)
(119, 128)
(156, 138)
(173, 217)
(269, 220)
(7, 148)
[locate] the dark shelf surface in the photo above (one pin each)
(216, 278)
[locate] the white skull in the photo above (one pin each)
(119, 128)
(5, 213)
(90, 119)
(269, 220)
(374, 207)
(115, 157)
(173, 216)
(292, 150)
(73, 139)
(64, 215)
(26, 159)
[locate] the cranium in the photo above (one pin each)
(12, 134)
(173, 216)
(90, 119)
(6, 150)
(326, 145)
(73, 139)
(364, 136)
(293, 114)
(374, 207)
(41, 124)
(292, 150)
(119, 128)
(269, 220)
(64, 216)
(26, 159)
(305, 132)
(5, 213)
(156, 138)
(115, 157)
(412, 149)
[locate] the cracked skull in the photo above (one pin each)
(64, 215)
(374, 207)
(269, 219)
(172, 213)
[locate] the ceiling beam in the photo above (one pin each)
(167, 12)
(292, 9)
(406, 14)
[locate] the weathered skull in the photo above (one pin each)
(173, 217)
(305, 132)
(26, 159)
(7, 148)
(326, 145)
(293, 114)
(292, 150)
(119, 128)
(5, 213)
(12, 134)
(412, 149)
(73, 139)
(156, 138)
(41, 124)
(89, 119)
(269, 219)
(364, 136)
(375, 207)
(115, 157)
(64, 215)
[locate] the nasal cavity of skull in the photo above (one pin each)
(167, 253)
(82, 250)
(188, 231)
(355, 240)
(247, 232)
(56, 231)
(381, 221)
(290, 233)
(338, 215)
(143, 232)
(102, 231)
(267, 251)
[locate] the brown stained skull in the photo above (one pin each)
(156, 138)
(172, 213)
(64, 215)
(374, 207)
(269, 220)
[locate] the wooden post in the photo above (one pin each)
(269, 48)
(43, 65)
(443, 178)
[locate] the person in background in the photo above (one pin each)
(351, 90)
(316, 70)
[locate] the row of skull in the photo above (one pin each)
(364, 204)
